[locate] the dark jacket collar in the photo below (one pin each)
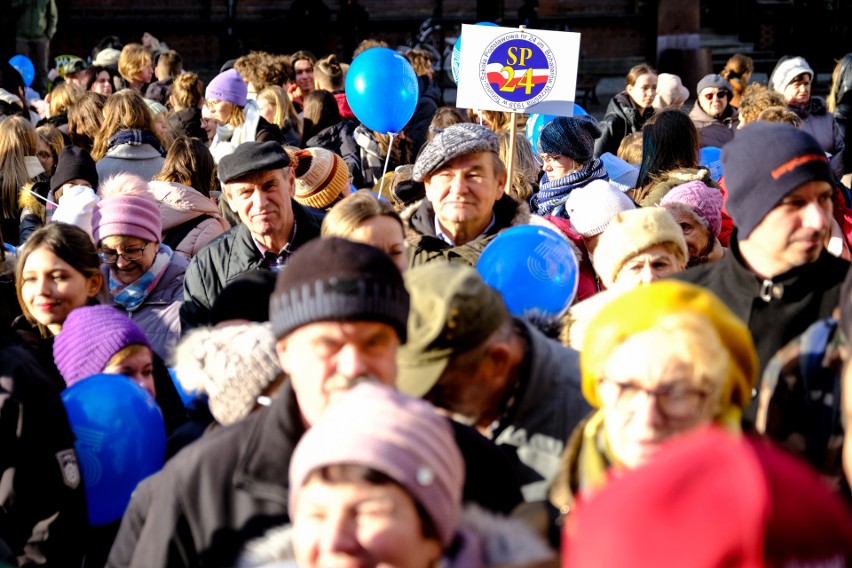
(423, 218)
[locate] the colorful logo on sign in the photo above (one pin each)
(517, 70)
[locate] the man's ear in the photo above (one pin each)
(226, 191)
(291, 180)
(281, 350)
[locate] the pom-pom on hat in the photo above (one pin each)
(90, 336)
(404, 438)
(321, 177)
(763, 163)
(228, 86)
(452, 142)
(127, 208)
(572, 136)
(705, 201)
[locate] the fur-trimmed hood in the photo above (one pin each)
(483, 539)
(660, 185)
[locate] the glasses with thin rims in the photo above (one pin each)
(716, 95)
(675, 401)
(129, 254)
(211, 103)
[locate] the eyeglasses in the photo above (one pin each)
(211, 103)
(129, 254)
(716, 95)
(675, 401)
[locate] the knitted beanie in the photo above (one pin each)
(404, 438)
(74, 163)
(321, 177)
(127, 209)
(642, 307)
(572, 136)
(452, 142)
(233, 365)
(332, 279)
(593, 206)
(788, 70)
(670, 91)
(765, 162)
(228, 86)
(631, 232)
(705, 201)
(622, 175)
(713, 81)
(90, 336)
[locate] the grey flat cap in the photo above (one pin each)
(457, 140)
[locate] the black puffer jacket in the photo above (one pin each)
(622, 118)
(226, 258)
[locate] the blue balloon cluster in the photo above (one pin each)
(534, 268)
(121, 440)
(382, 90)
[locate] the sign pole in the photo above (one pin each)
(510, 159)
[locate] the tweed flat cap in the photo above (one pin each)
(252, 157)
(457, 140)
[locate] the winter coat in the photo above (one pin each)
(661, 184)
(622, 117)
(158, 315)
(187, 122)
(423, 245)
(160, 90)
(144, 161)
(224, 259)
(776, 310)
(843, 116)
(43, 518)
(484, 540)
(820, 124)
(428, 102)
(180, 203)
(340, 139)
(714, 132)
(548, 407)
(231, 486)
(35, 19)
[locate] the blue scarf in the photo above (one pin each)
(130, 296)
(135, 137)
(552, 195)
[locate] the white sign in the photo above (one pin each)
(510, 69)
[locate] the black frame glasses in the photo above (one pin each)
(111, 257)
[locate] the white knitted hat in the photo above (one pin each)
(593, 206)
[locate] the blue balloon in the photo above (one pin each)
(711, 158)
(382, 91)
(185, 397)
(456, 61)
(533, 267)
(121, 440)
(25, 67)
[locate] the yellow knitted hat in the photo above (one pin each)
(321, 177)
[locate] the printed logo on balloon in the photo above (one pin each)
(517, 70)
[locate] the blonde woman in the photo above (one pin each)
(128, 141)
(19, 169)
(525, 169)
(136, 66)
(275, 106)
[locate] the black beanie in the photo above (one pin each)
(332, 279)
(74, 163)
(762, 164)
(572, 136)
(245, 298)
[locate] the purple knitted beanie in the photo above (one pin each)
(127, 215)
(228, 86)
(90, 336)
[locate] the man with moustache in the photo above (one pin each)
(777, 275)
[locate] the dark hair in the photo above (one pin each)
(320, 111)
(303, 54)
(85, 118)
(328, 74)
(189, 162)
(352, 473)
(93, 76)
(669, 141)
(71, 244)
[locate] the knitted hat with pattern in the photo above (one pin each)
(455, 141)
(321, 177)
(572, 136)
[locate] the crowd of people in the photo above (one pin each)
(338, 384)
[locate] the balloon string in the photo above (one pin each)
(387, 160)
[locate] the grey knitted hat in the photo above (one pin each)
(572, 136)
(457, 140)
(714, 81)
(233, 365)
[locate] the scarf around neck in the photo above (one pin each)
(552, 195)
(135, 137)
(130, 296)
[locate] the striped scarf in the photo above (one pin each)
(130, 296)
(135, 137)
(552, 195)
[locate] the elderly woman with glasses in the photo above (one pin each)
(145, 276)
(656, 362)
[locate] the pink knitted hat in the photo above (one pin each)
(127, 209)
(705, 201)
(90, 336)
(404, 438)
